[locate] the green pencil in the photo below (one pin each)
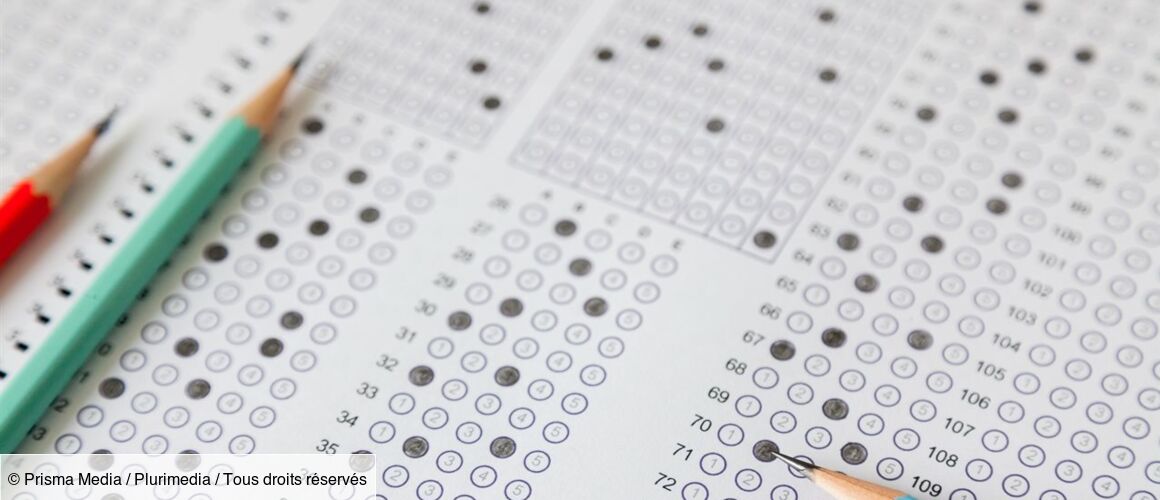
(33, 388)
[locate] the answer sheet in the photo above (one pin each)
(569, 249)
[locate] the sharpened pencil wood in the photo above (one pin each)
(131, 269)
(30, 202)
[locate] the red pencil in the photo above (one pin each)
(31, 200)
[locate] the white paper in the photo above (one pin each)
(731, 175)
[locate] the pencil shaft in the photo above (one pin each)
(117, 287)
(21, 212)
(29, 203)
(843, 487)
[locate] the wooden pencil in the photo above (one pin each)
(839, 485)
(121, 281)
(30, 202)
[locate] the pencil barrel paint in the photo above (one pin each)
(117, 287)
(21, 212)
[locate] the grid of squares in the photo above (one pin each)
(449, 68)
(63, 65)
(717, 121)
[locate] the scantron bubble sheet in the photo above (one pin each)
(569, 250)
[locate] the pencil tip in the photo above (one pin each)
(298, 60)
(798, 465)
(104, 124)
